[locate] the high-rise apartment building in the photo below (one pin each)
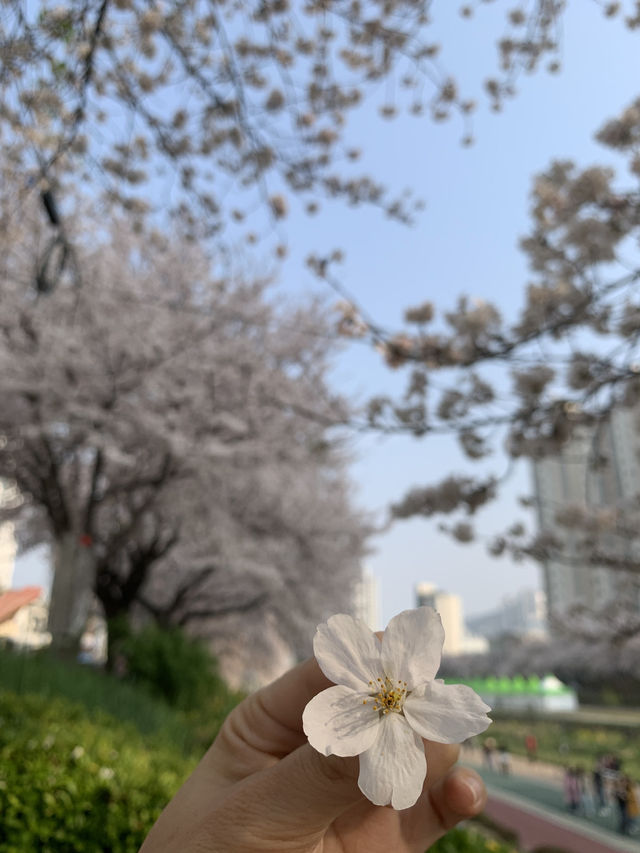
(456, 640)
(7, 555)
(367, 600)
(570, 478)
(7, 549)
(450, 609)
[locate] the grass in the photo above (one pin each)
(41, 674)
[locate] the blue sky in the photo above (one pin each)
(465, 241)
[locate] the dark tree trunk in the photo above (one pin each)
(71, 593)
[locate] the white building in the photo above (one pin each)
(570, 479)
(367, 600)
(523, 615)
(7, 547)
(23, 618)
(456, 640)
(7, 555)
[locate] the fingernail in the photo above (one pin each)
(475, 786)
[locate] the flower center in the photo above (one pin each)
(389, 695)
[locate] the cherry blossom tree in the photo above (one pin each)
(150, 422)
(599, 649)
(170, 106)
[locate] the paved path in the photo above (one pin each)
(537, 826)
(535, 792)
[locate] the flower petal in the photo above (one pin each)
(446, 713)
(338, 722)
(393, 770)
(412, 646)
(348, 652)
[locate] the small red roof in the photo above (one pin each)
(13, 599)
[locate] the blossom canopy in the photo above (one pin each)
(386, 699)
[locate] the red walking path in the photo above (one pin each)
(537, 826)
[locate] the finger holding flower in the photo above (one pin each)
(387, 699)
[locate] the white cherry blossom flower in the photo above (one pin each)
(386, 699)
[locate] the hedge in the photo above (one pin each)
(70, 782)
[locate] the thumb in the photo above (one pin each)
(289, 805)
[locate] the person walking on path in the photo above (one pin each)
(488, 751)
(531, 746)
(633, 806)
(504, 760)
(572, 790)
(584, 792)
(598, 787)
(611, 773)
(623, 795)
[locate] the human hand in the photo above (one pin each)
(262, 787)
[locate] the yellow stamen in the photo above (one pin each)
(390, 696)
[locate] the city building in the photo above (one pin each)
(23, 612)
(367, 600)
(457, 641)
(449, 607)
(23, 618)
(7, 555)
(523, 615)
(571, 479)
(7, 546)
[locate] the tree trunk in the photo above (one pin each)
(118, 632)
(71, 592)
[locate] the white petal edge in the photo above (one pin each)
(348, 652)
(336, 722)
(412, 646)
(446, 713)
(393, 770)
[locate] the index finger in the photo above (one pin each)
(269, 722)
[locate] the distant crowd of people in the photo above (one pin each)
(605, 789)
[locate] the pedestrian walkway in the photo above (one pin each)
(541, 783)
(537, 826)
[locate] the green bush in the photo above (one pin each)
(69, 782)
(171, 666)
(74, 778)
(463, 840)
